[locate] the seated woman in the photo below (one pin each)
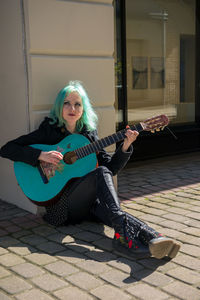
(92, 194)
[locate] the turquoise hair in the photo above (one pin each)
(88, 118)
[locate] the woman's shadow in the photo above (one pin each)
(87, 241)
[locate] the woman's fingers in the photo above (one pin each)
(52, 157)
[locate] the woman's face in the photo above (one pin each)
(72, 108)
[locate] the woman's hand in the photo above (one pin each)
(131, 136)
(52, 157)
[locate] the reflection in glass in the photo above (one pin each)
(157, 72)
(139, 66)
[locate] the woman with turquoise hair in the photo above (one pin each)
(92, 195)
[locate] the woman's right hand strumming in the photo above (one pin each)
(52, 157)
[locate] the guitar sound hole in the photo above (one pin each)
(70, 158)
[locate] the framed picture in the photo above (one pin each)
(157, 72)
(140, 72)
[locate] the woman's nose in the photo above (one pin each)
(72, 107)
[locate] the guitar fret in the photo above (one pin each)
(117, 137)
(87, 150)
(101, 144)
(82, 152)
(77, 153)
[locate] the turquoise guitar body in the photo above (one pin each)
(44, 184)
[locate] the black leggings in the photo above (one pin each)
(93, 195)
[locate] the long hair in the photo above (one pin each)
(88, 118)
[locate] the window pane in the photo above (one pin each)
(161, 59)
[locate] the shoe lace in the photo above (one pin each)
(130, 233)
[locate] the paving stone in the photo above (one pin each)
(27, 270)
(7, 241)
(4, 297)
(153, 278)
(44, 230)
(194, 215)
(184, 274)
(93, 227)
(104, 243)
(187, 261)
(151, 218)
(72, 293)
(146, 292)
(29, 224)
(173, 225)
(154, 211)
(87, 236)
(176, 218)
(193, 240)
(61, 268)
(3, 251)
(14, 284)
(117, 278)
(80, 246)
(61, 238)
(50, 247)
(49, 282)
(193, 223)
(93, 266)
(100, 255)
(71, 256)
(192, 231)
(40, 258)
(190, 249)
(22, 249)
(69, 229)
(172, 233)
(3, 272)
(33, 239)
(110, 293)
(182, 291)
(21, 233)
(126, 265)
(33, 294)
(84, 281)
(3, 232)
(9, 260)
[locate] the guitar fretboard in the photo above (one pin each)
(105, 142)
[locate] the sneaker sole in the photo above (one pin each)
(164, 247)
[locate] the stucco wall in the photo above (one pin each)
(63, 40)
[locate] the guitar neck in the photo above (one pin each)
(105, 142)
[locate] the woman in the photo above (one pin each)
(92, 195)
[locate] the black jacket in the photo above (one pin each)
(20, 150)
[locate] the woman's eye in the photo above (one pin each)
(78, 104)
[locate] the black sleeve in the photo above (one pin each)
(19, 149)
(117, 161)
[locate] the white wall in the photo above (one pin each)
(64, 40)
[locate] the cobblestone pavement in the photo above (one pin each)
(38, 261)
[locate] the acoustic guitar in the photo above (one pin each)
(45, 183)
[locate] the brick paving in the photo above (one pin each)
(38, 261)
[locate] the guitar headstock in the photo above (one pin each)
(155, 124)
